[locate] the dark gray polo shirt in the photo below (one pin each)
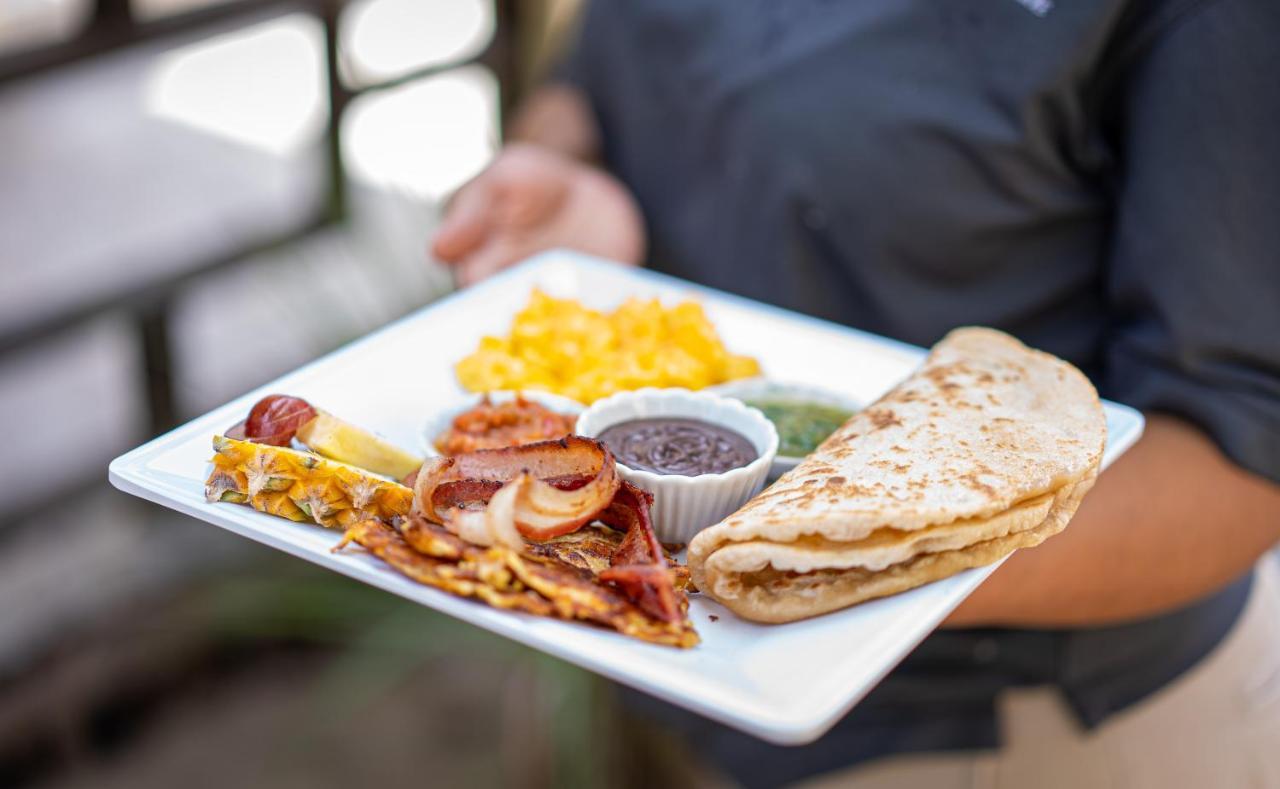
(1100, 178)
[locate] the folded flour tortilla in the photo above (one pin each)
(988, 447)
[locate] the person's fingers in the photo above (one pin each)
(466, 222)
(529, 196)
(485, 262)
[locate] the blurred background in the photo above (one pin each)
(195, 197)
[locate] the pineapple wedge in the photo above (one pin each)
(301, 486)
(342, 441)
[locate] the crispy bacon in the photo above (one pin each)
(629, 512)
(541, 510)
(649, 587)
(550, 489)
(592, 548)
(495, 523)
(639, 568)
(506, 526)
(492, 425)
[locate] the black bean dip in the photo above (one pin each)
(668, 445)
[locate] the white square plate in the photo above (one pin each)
(784, 683)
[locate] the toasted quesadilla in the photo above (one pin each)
(988, 447)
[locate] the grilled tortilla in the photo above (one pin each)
(988, 447)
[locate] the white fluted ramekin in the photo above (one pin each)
(682, 505)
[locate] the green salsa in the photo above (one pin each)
(802, 424)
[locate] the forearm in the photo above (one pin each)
(557, 116)
(1170, 522)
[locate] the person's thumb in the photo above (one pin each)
(466, 222)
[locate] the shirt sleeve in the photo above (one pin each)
(1194, 270)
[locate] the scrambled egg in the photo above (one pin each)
(560, 346)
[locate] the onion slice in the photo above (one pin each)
(543, 490)
(495, 524)
(540, 509)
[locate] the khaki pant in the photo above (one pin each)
(1218, 725)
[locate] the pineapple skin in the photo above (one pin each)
(300, 486)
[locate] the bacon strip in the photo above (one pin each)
(549, 489)
(649, 587)
(541, 510)
(629, 512)
(639, 568)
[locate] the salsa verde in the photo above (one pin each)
(802, 424)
